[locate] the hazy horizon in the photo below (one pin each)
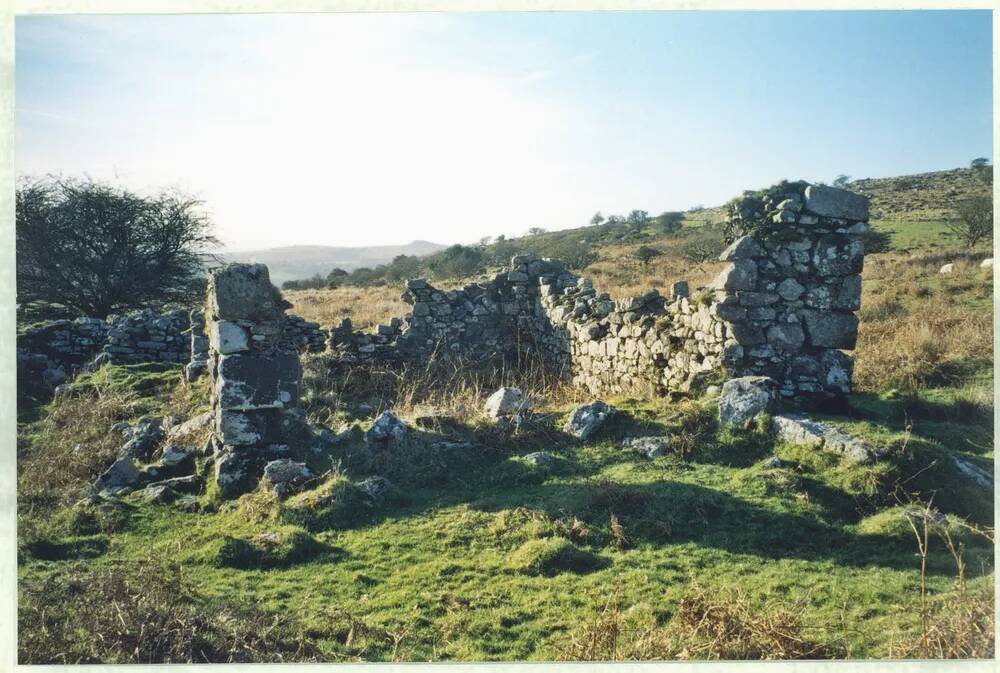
(358, 130)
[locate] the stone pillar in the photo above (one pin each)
(255, 373)
(790, 291)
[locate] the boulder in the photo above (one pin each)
(587, 419)
(539, 459)
(947, 268)
(285, 475)
(986, 263)
(746, 397)
(194, 424)
(651, 447)
(123, 475)
(142, 438)
(797, 429)
(505, 402)
(376, 488)
(175, 455)
(387, 427)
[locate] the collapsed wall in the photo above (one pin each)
(783, 308)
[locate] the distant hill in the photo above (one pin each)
(303, 261)
(922, 196)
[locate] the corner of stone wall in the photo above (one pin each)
(791, 288)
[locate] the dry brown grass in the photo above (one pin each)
(144, 612)
(365, 306)
(72, 445)
(708, 625)
(620, 275)
(457, 389)
(920, 328)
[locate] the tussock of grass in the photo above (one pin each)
(552, 555)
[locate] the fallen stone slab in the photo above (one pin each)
(587, 419)
(387, 427)
(142, 438)
(175, 455)
(194, 424)
(798, 429)
(376, 488)
(123, 474)
(157, 493)
(505, 402)
(745, 398)
(651, 447)
(539, 458)
(285, 475)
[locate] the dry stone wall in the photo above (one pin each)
(255, 374)
(783, 307)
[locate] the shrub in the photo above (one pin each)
(975, 220)
(703, 244)
(458, 261)
(114, 249)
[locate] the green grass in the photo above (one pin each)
(910, 235)
(493, 559)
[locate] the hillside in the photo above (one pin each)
(303, 261)
(912, 208)
(922, 196)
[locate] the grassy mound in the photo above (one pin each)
(549, 556)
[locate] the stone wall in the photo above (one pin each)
(53, 351)
(147, 336)
(255, 373)
(783, 307)
(496, 318)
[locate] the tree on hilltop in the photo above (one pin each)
(981, 167)
(95, 248)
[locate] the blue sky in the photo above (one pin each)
(368, 129)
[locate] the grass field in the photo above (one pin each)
(714, 552)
